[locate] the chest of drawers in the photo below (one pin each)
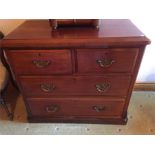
(76, 74)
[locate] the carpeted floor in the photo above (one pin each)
(141, 120)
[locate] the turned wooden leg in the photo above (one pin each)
(3, 103)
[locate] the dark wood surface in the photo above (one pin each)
(37, 33)
(56, 61)
(75, 85)
(71, 107)
(87, 60)
(65, 74)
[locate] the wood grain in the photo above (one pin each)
(75, 85)
(71, 107)
(59, 61)
(87, 60)
(111, 33)
(75, 81)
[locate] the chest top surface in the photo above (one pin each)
(34, 33)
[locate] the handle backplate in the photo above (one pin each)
(105, 62)
(41, 63)
(103, 87)
(47, 87)
(98, 108)
(52, 108)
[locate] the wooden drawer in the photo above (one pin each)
(40, 62)
(39, 86)
(106, 60)
(58, 107)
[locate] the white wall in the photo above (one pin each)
(147, 69)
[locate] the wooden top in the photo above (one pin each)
(38, 34)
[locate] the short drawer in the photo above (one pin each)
(106, 60)
(58, 107)
(40, 62)
(46, 86)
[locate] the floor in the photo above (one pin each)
(141, 120)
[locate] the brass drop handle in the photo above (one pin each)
(47, 87)
(105, 62)
(41, 63)
(99, 108)
(103, 87)
(52, 108)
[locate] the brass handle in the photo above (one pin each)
(103, 87)
(41, 63)
(99, 108)
(47, 87)
(52, 108)
(104, 63)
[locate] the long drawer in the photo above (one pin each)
(58, 107)
(106, 60)
(40, 62)
(46, 86)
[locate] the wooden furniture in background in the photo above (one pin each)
(4, 80)
(76, 74)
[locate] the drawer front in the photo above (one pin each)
(106, 60)
(40, 62)
(38, 86)
(59, 107)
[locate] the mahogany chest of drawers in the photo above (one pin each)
(76, 74)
